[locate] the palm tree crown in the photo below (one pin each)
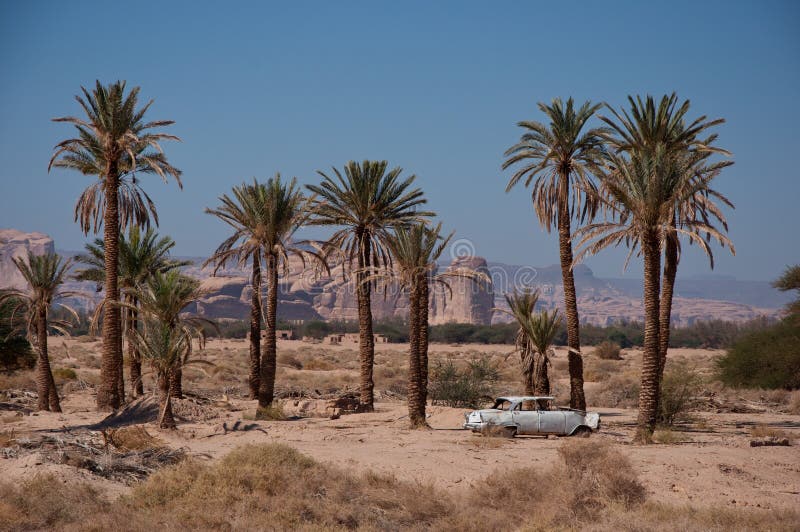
(115, 138)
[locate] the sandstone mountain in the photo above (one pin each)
(306, 294)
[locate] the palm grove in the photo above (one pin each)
(642, 177)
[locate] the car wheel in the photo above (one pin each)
(582, 432)
(509, 432)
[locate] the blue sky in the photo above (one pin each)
(434, 87)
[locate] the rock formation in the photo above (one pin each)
(16, 244)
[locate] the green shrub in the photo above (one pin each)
(679, 390)
(65, 374)
(462, 387)
(608, 351)
(766, 359)
(15, 351)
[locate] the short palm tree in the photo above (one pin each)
(521, 307)
(648, 126)
(365, 202)
(415, 251)
(162, 299)
(44, 274)
(165, 348)
(246, 213)
(790, 280)
(541, 329)
(558, 160)
(114, 143)
(642, 189)
(141, 254)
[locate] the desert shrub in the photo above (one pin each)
(617, 391)
(679, 390)
(15, 351)
(273, 412)
(466, 333)
(315, 329)
(608, 350)
(288, 359)
(766, 359)
(462, 387)
(598, 475)
(319, 364)
(64, 374)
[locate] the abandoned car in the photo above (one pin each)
(532, 415)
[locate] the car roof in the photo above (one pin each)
(517, 398)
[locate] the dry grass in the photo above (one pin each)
(765, 431)
(273, 487)
(608, 351)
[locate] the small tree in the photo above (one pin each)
(44, 274)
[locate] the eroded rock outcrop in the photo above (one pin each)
(16, 244)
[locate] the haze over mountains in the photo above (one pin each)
(306, 295)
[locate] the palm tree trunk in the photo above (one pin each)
(416, 413)
(649, 391)
(541, 385)
(366, 340)
(176, 382)
(55, 402)
(667, 291)
(576, 396)
(255, 328)
(165, 419)
(266, 389)
(108, 392)
(423, 340)
(134, 359)
(44, 377)
(529, 377)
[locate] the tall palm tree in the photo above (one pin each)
(162, 299)
(246, 213)
(286, 210)
(44, 274)
(141, 254)
(646, 127)
(558, 159)
(365, 202)
(114, 143)
(641, 189)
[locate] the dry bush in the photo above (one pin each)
(132, 438)
(618, 391)
(765, 431)
(667, 436)
(793, 403)
(680, 389)
(18, 380)
(288, 359)
(274, 487)
(608, 351)
(319, 364)
(62, 375)
(273, 412)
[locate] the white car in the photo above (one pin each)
(518, 415)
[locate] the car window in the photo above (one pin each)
(502, 404)
(543, 404)
(527, 406)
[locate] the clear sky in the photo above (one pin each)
(434, 87)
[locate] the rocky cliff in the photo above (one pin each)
(16, 244)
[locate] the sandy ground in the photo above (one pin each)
(711, 464)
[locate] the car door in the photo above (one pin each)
(526, 418)
(552, 421)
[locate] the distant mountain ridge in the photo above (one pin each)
(307, 296)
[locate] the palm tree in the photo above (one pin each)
(415, 250)
(521, 307)
(286, 210)
(558, 159)
(365, 202)
(534, 340)
(165, 347)
(44, 274)
(115, 144)
(246, 213)
(541, 329)
(141, 255)
(790, 280)
(641, 189)
(646, 127)
(162, 299)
